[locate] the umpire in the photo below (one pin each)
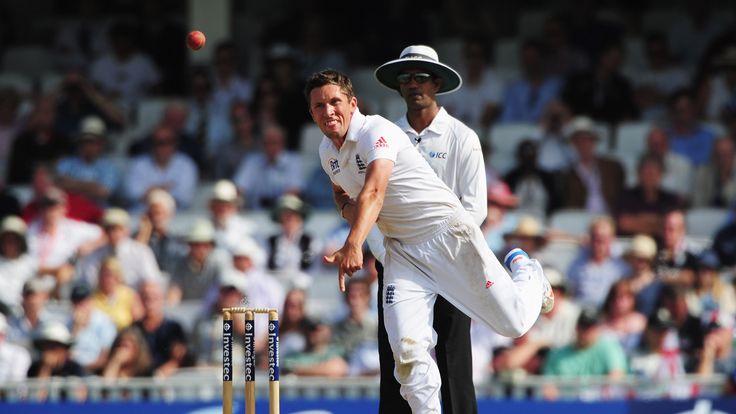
(453, 151)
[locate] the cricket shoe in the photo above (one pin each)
(517, 259)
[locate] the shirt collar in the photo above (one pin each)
(438, 125)
(356, 124)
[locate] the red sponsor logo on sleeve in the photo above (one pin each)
(380, 143)
(488, 284)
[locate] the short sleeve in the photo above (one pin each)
(380, 146)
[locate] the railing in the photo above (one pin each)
(206, 385)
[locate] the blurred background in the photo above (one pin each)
(144, 186)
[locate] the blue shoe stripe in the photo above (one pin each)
(510, 258)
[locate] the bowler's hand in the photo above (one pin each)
(349, 259)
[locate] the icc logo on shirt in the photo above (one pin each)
(441, 155)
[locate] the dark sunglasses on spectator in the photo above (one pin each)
(418, 77)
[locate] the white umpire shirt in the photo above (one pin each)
(416, 202)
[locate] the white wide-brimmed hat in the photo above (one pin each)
(419, 57)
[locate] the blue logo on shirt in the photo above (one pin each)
(334, 166)
(440, 155)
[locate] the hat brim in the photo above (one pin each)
(386, 74)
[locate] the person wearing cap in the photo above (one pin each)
(659, 357)
(33, 311)
(454, 152)
(89, 173)
(640, 255)
(14, 359)
(528, 235)
(54, 341)
(16, 265)
(229, 226)
(154, 231)
(708, 297)
(500, 218)
(593, 182)
(202, 267)
(79, 207)
(92, 330)
(379, 176)
(266, 175)
(136, 258)
(291, 252)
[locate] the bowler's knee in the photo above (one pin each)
(410, 360)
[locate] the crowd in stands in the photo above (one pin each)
(108, 230)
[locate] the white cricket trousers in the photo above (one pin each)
(456, 263)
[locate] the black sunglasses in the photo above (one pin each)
(418, 77)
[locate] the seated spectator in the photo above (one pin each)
(602, 93)
(229, 227)
(229, 86)
(659, 358)
(92, 331)
(555, 153)
(644, 282)
(16, 265)
(130, 356)
(677, 174)
(320, 358)
(563, 58)
(715, 182)
(37, 143)
(207, 125)
(709, 298)
(153, 230)
(675, 257)
(164, 168)
(596, 269)
(525, 99)
(202, 267)
(33, 314)
(79, 207)
(14, 359)
(528, 235)
(690, 330)
(292, 251)
(266, 175)
(358, 331)
(88, 173)
(11, 122)
(500, 218)
(724, 242)
(54, 341)
(620, 318)
(137, 259)
(243, 143)
(718, 88)
(294, 323)
(165, 337)
(592, 354)
(640, 209)
(478, 102)
(113, 297)
(125, 75)
(593, 183)
(688, 137)
(534, 188)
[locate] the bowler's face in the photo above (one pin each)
(331, 110)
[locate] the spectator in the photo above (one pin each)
(174, 118)
(92, 331)
(164, 168)
(357, 332)
(716, 90)
(478, 102)
(16, 265)
(620, 318)
(153, 230)
(207, 125)
(659, 358)
(710, 299)
(603, 93)
(125, 75)
(563, 58)
(320, 359)
(11, 122)
(202, 267)
(294, 323)
(534, 187)
(690, 37)
(659, 79)
(314, 53)
(724, 242)
(113, 297)
(689, 329)
(555, 153)
(89, 174)
(229, 86)
(678, 174)
(53, 341)
(593, 183)
(525, 99)
(130, 356)
(33, 312)
(243, 143)
(596, 269)
(643, 281)
(500, 218)
(592, 354)
(675, 257)
(137, 259)
(55, 241)
(528, 235)
(229, 227)
(38, 142)
(641, 208)
(78, 206)
(266, 175)
(14, 359)
(165, 337)
(687, 136)
(715, 182)
(293, 250)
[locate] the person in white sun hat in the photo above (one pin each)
(433, 245)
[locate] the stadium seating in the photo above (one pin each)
(574, 222)
(705, 221)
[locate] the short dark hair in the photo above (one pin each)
(329, 77)
(650, 158)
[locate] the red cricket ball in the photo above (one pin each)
(196, 40)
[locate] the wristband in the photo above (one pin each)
(343, 208)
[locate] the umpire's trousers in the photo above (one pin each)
(454, 358)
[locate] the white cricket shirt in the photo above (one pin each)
(454, 153)
(416, 202)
